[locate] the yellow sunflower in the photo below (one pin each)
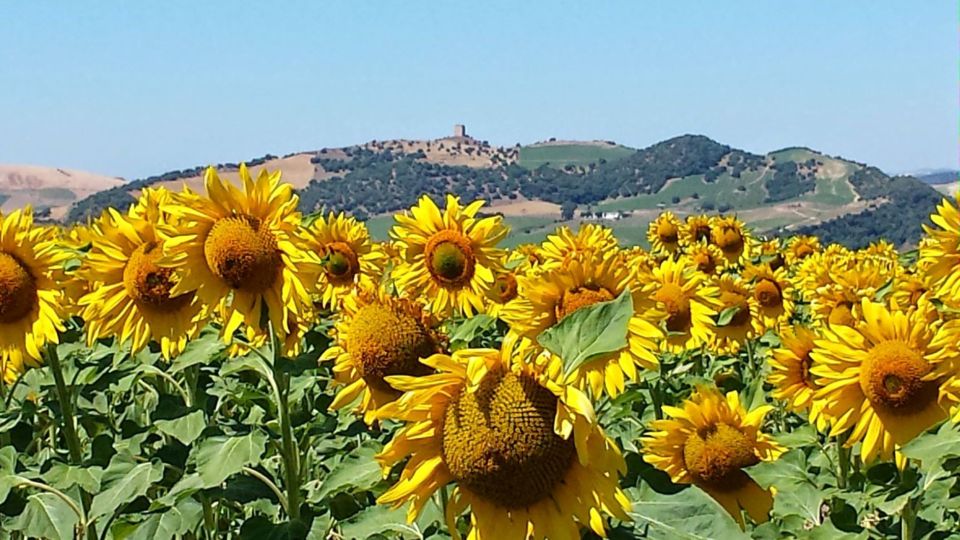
(880, 380)
(773, 292)
(663, 233)
(30, 298)
(800, 247)
(590, 240)
(729, 234)
(790, 373)
(707, 442)
(349, 257)
(678, 299)
(706, 258)
(242, 252)
(523, 452)
(745, 324)
(838, 301)
(505, 287)
(450, 257)
(771, 254)
(131, 298)
(940, 251)
(697, 228)
(377, 335)
(547, 297)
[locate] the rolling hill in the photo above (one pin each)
(49, 190)
(539, 186)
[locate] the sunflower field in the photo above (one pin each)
(217, 365)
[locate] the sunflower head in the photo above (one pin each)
(347, 254)
(698, 228)
(729, 234)
(801, 247)
(590, 241)
(663, 233)
(678, 299)
(706, 258)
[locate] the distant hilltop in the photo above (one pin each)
(540, 185)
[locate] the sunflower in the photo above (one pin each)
(880, 379)
(773, 292)
(30, 298)
(729, 234)
(838, 301)
(449, 257)
(744, 324)
(790, 373)
(663, 233)
(676, 297)
(349, 257)
(697, 228)
(132, 298)
(800, 247)
(940, 251)
(377, 335)
(241, 251)
(590, 240)
(771, 254)
(505, 287)
(707, 442)
(706, 258)
(522, 451)
(547, 297)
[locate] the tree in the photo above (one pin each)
(567, 210)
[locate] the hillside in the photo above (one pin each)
(49, 190)
(538, 186)
(939, 177)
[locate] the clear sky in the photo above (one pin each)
(140, 88)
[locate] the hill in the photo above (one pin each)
(49, 190)
(539, 186)
(939, 177)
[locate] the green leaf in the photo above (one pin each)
(590, 332)
(358, 471)
(785, 473)
(471, 327)
(376, 520)
(727, 315)
(46, 516)
(134, 483)
(185, 429)
(219, 457)
(199, 351)
(63, 477)
(690, 514)
(174, 523)
(931, 449)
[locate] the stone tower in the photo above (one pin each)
(459, 130)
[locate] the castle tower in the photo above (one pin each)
(459, 130)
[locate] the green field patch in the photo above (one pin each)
(561, 155)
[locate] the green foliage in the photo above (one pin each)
(590, 332)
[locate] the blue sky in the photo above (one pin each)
(140, 88)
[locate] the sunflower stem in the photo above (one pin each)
(908, 520)
(290, 454)
(843, 461)
(656, 398)
(69, 427)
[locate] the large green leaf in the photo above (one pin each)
(590, 332)
(46, 516)
(199, 351)
(173, 523)
(931, 449)
(784, 473)
(471, 328)
(63, 477)
(378, 520)
(690, 514)
(120, 491)
(358, 471)
(185, 429)
(219, 457)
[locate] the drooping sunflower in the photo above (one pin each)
(773, 292)
(242, 251)
(730, 235)
(707, 442)
(131, 298)
(745, 323)
(678, 299)
(590, 240)
(697, 228)
(450, 257)
(30, 298)
(880, 380)
(706, 258)
(377, 335)
(505, 286)
(663, 233)
(546, 298)
(524, 453)
(790, 373)
(349, 257)
(800, 247)
(940, 251)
